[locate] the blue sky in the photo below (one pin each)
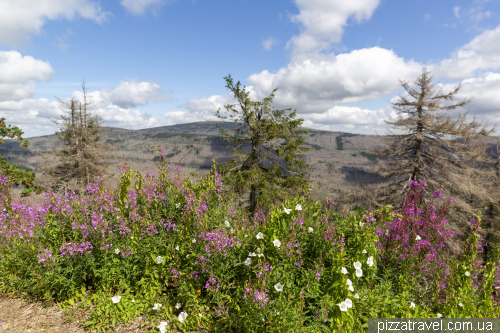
(151, 63)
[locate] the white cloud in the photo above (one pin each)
(16, 68)
(33, 116)
(18, 75)
(323, 81)
(132, 93)
(139, 7)
(482, 53)
(324, 21)
(21, 18)
(269, 43)
(484, 91)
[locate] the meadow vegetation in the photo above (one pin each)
(183, 257)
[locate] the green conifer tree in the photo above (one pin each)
(272, 170)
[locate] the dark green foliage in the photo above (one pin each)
(271, 172)
(16, 175)
(369, 156)
(316, 147)
(340, 144)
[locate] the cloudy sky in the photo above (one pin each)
(150, 63)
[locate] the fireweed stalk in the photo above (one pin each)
(187, 248)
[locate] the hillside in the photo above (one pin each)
(338, 161)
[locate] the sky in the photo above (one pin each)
(150, 63)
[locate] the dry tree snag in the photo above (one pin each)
(433, 147)
(82, 159)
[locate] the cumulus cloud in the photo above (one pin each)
(19, 19)
(269, 43)
(482, 53)
(320, 82)
(114, 106)
(139, 7)
(132, 93)
(323, 22)
(18, 75)
(16, 68)
(484, 91)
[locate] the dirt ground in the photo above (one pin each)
(18, 316)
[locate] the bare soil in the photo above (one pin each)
(17, 316)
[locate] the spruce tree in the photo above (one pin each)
(83, 157)
(272, 170)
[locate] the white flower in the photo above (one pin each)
(418, 238)
(369, 262)
(193, 240)
(298, 207)
(460, 305)
(133, 301)
(177, 205)
(277, 243)
(258, 250)
(287, 210)
(439, 315)
(310, 230)
(356, 296)
(163, 326)
(467, 273)
(248, 261)
(260, 255)
(342, 306)
(359, 272)
(251, 254)
(361, 224)
(349, 282)
(348, 302)
(357, 265)
(232, 230)
(364, 251)
(278, 286)
(412, 305)
(246, 235)
(343, 270)
(159, 259)
(350, 288)
(187, 256)
(200, 314)
(178, 306)
(116, 299)
(177, 247)
(157, 306)
(226, 223)
(260, 235)
(182, 317)
(117, 251)
(132, 237)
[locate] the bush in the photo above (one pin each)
(179, 253)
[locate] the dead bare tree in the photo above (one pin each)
(448, 154)
(83, 156)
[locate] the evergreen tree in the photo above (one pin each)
(448, 154)
(82, 157)
(271, 171)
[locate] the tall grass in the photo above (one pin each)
(181, 256)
